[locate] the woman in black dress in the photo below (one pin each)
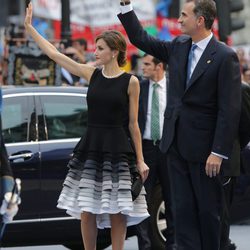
(97, 189)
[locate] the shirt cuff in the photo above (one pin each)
(222, 156)
(126, 8)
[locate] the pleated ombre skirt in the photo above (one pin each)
(102, 185)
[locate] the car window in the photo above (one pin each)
(65, 116)
(15, 119)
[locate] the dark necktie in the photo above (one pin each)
(191, 56)
(155, 123)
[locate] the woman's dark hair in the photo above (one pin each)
(115, 41)
(207, 9)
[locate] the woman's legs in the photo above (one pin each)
(118, 231)
(89, 230)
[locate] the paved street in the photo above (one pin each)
(239, 235)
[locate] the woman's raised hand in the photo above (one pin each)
(28, 17)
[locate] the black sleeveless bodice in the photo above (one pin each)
(108, 105)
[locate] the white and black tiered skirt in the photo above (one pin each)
(102, 185)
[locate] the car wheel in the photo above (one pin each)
(158, 221)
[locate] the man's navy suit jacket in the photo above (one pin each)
(203, 117)
(143, 104)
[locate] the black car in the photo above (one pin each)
(41, 126)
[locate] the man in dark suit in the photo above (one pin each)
(232, 168)
(201, 118)
(155, 79)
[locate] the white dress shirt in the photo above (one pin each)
(126, 8)
(201, 46)
(162, 105)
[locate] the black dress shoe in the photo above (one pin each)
(171, 247)
(232, 246)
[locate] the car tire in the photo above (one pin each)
(158, 221)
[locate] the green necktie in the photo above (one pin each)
(155, 124)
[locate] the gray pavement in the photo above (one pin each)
(240, 235)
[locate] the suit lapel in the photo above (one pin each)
(145, 87)
(204, 62)
(167, 87)
(181, 64)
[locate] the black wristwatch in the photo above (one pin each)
(123, 3)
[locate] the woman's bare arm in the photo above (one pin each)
(81, 70)
(133, 92)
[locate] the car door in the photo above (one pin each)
(64, 117)
(20, 135)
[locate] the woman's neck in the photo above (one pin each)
(111, 70)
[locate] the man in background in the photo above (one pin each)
(234, 166)
(77, 51)
(152, 104)
(246, 74)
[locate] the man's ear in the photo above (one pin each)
(201, 20)
(159, 65)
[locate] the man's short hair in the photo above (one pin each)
(157, 61)
(207, 9)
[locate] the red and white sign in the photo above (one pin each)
(94, 13)
(89, 18)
